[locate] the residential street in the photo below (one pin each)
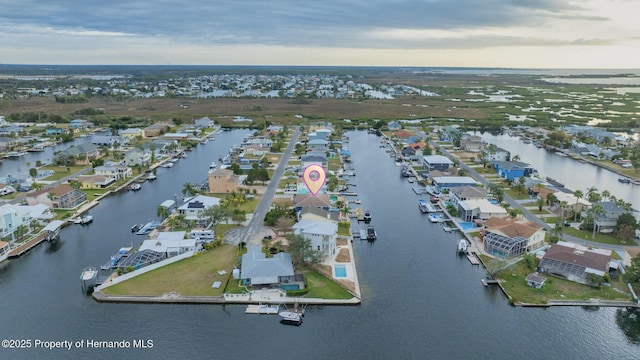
(254, 231)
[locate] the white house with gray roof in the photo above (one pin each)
(257, 269)
(193, 207)
(322, 234)
(170, 243)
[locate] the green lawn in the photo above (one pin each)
(516, 194)
(189, 277)
(323, 288)
(344, 228)
(513, 281)
(601, 238)
(61, 172)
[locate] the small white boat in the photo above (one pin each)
(83, 220)
(136, 187)
(167, 165)
(151, 177)
(290, 317)
(433, 218)
(462, 246)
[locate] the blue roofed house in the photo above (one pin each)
(449, 182)
(258, 270)
(314, 158)
(322, 234)
(512, 170)
(79, 124)
(203, 123)
(53, 131)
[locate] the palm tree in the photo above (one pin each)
(563, 206)
(540, 203)
(516, 158)
(344, 211)
(189, 190)
(176, 220)
(557, 230)
(162, 212)
(593, 195)
(596, 211)
(578, 194)
(606, 195)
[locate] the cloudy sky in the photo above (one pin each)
(487, 33)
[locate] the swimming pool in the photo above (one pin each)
(467, 226)
(494, 201)
(290, 287)
(340, 271)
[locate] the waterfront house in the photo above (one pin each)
(575, 262)
(321, 234)
(394, 126)
(114, 171)
(512, 170)
(52, 131)
(480, 209)
(155, 130)
(258, 270)
(224, 181)
(444, 183)
(503, 235)
(83, 154)
(193, 207)
(203, 123)
(95, 181)
(318, 214)
(464, 193)
(307, 200)
(273, 129)
(79, 124)
(314, 158)
(108, 140)
(494, 153)
(5, 249)
(130, 133)
(472, 143)
(436, 162)
(13, 216)
(10, 130)
(318, 145)
(137, 156)
(7, 143)
(607, 221)
(62, 196)
(170, 243)
(320, 133)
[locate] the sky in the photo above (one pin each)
(456, 33)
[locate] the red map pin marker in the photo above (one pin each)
(314, 177)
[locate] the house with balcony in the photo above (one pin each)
(131, 133)
(606, 222)
(79, 124)
(95, 181)
(113, 171)
(137, 156)
(203, 123)
(7, 143)
(472, 143)
(314, 158)
(321, 234)
(192, 208)
(82, 153)
(13, 216)
(479, 210)
(494, 153)
(317, 145)
(224, 181)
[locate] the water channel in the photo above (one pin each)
(573, 174)
(420, 299)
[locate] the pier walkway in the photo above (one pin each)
(28, 245)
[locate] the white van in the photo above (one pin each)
(7, 190)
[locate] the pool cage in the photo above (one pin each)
(504, 247)
(141, 259)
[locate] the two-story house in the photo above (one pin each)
(322, 234)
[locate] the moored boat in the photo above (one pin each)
(290, 317)
(462, 246)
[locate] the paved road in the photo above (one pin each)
(254, 231)
(528, 214)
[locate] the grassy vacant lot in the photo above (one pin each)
(189, 277)
(61, 171)
(601, 238)
(554, 288)
(323, 288)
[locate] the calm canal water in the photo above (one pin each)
(573, 174)
(420, 300)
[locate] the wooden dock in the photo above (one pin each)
(28, 245)
(487, 282)
(473, 259)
